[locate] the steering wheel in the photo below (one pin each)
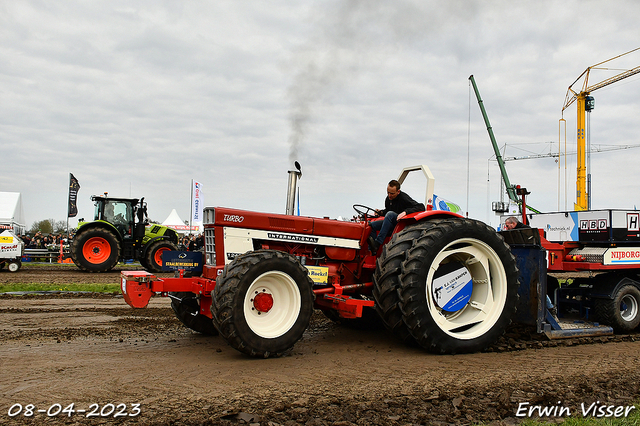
(363, 211)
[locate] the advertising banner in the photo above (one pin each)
(622, 256)
(182, 260)
(74, 186)
(10, 245)
(197, 202)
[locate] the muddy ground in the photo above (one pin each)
(89, 349)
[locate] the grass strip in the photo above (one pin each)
(92, 287)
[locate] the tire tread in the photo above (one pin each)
(226, 291)
(415, 312)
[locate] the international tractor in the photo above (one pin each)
(120, 231)
(446, 282)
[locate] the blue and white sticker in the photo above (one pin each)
(452, 286)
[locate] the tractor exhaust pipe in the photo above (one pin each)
(294, 175)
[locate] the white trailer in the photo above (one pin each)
(11, 250)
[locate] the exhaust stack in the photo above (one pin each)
(294, 175)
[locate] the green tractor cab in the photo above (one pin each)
(120, 231)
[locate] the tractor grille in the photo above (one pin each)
(210, 246)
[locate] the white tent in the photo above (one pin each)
(173, 221)
(11, 212)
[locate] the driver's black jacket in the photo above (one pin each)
(402, 203)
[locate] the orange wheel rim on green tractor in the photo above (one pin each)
(96, 250)
(157, 257)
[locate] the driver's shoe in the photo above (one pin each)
(373, 245)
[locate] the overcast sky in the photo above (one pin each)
(136, 98)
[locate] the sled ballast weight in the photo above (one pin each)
(446, 282)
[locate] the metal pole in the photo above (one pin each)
(588, 160)
(503, 170)
(68, 207)
(191, 207)
(291, 192)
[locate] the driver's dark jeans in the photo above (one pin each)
(382, 228)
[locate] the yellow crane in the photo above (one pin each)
(587, 103)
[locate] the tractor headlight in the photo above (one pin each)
(210, 245)
(209, 216)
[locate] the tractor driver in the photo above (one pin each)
(111, 216)
(108, 213)
(396, 206)
(513, 223)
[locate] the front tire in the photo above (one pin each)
(623, 311)
(262, 303)
(187, 309)
(153, 257)
(458, 287)
(96, 250)
(14, 266)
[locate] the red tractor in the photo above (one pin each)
(444, 281)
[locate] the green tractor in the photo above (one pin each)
(115, 235)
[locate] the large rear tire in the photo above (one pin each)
(623, 311)
(458, 286)
(262, 303)
(96, 250)
(187, 309)
(386, 279)
(153, 258)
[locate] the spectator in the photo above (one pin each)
(513, 223)
(36, 243)
(192, 243)
(184, 242)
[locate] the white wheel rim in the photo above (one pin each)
(628, 307)
(488, 296)
(13, 267)
(286, 305)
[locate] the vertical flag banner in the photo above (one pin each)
(197, 203)
(74, 186)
